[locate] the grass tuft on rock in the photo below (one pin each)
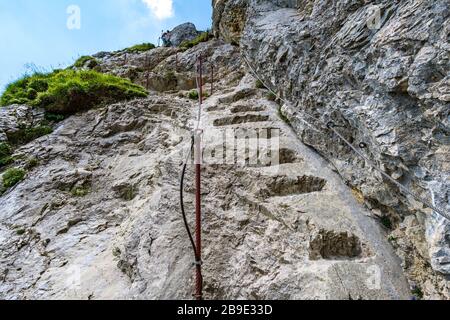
(12, 176)
(260, 85)
(5, 154)
(193, 94)
(23, 136)
(271, 97)
(80, 191)
(5, 150)
(203, 37)
(140, 48)
(66, 92)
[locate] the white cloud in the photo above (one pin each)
(162, 9)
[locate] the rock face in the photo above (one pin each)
(16, 117)
(380, 70)
(229, 19)
(99, 217)
(183, 32)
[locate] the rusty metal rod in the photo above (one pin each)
(212, 79)
(198, 207)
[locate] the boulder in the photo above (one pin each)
(183, 32)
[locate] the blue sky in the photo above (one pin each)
(36, 31)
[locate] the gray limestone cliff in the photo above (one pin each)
(97, 214)
(380, 70)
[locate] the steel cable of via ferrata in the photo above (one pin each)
(331, 126)
(183, 212)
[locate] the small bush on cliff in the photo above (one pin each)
(12, 177)
(26, 135)
(69, 91)
(80, 191)
(5, 154)
(271, 97)
(203, 37)
(193, 95)
(140, 48)
(260, 85)
(5, 150)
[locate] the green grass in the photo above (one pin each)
(80, 192)
(417, 292)
(31, 163)
(52, 117)
(5, 150)
(5, 154)
(271, 97)
(12, 177)
(203, 37)
(193, 94)
(65, 92)
(5, 161)
(81, 62)
(260, 85)
(23, 136)
(140, 48)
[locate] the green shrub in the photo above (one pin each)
(12, 176)
(5, 161)
(26, 135)
(203, 37)
(171, 78)
(193, 94)
(417, 292)
(80, 191)
(140, 48)
(5, 150)
(53, 117)
(32, 162)
(69, 91)
(260, 85)
(40, 85)
(5, 154)
(81, 62)
(271, 97)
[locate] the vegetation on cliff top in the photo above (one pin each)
(69, 91)
(140, 48)
(203, 37)
(81, 62)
